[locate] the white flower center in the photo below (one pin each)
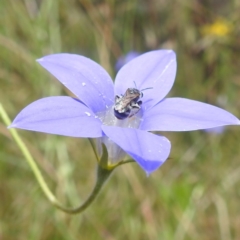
(115, 153)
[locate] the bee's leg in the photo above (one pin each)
(122, 115)
(135, 107)
(139, 103)
(118, 98)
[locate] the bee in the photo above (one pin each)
(128, 105)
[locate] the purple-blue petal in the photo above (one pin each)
(179, 114)
(83, 77)
(155, 69)
(59, 115)
(149, 150)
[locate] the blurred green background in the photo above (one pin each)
(195, 194)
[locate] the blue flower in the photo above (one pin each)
(125, 59)
(91, 114)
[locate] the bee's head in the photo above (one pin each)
(134, 91)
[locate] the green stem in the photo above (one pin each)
(102, 174)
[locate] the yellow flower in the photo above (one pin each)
(219, 28)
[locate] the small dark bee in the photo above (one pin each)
(128, 105)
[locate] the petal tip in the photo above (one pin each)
(148, 174)
(171, 51)
(11, 126)
(39, 60)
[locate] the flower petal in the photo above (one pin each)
(155, 69)
(147, 149)
(83, 77)
(59, 115)
(179, 114)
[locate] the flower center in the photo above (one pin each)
(115, 153)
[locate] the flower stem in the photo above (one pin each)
(102, 174)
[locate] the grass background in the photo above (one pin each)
(195, 194)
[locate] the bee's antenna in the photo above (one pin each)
(146, 89)
(142, 89)
(135, 84)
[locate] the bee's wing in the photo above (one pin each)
(128, 97)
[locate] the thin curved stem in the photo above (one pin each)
(27, 156)
(102, 174)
